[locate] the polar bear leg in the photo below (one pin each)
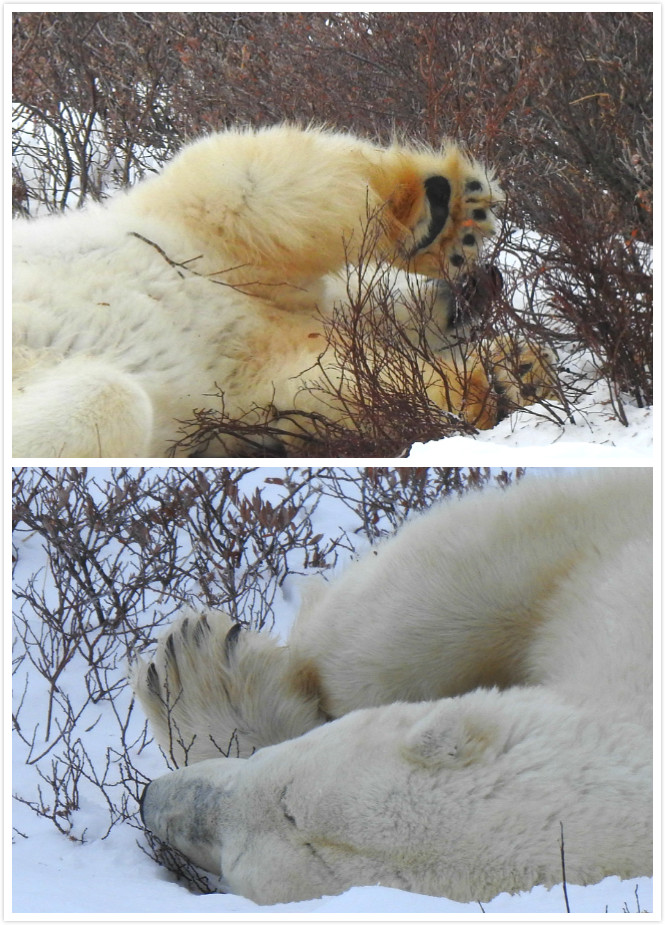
(81, 407)
(265, 197)
(459, 597)
(463, 798)
(461, 388)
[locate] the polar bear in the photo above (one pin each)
(218, 276)
(462, 702)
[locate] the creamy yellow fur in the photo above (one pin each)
(215, 275)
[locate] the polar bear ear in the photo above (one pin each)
(448, 738)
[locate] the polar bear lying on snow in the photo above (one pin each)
(466, 694)
(219, 274)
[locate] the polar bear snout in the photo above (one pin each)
(188, 809)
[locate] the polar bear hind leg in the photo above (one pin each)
(81, 407)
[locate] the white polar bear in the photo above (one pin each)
(461, 699)
(219, 275)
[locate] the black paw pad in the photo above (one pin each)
(438, 191)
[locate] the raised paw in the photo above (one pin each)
(213, 688)
(178, 683)
(445, 212)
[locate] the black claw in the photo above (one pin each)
(232, 639)
(170, 648)
(496, 278)
(152, 679)
(201, 630)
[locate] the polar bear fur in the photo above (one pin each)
(219, 274)
(468, 693)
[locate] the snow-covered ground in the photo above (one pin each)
(589, 432)
(109, 874)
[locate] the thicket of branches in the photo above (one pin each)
(101, 562)
(561, 103)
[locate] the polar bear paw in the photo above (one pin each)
(522, 373)
(184, 680)
(458, 215)
(214, 688)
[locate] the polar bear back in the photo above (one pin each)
(468, 593)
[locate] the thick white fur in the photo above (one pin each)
(491, 668)
(217, 274)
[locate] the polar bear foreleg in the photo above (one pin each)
(463, 798)
(81, 407)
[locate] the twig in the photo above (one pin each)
(563, 870)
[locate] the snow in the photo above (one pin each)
(113, 876)
(110, 875)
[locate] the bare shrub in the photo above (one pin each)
(384, 341)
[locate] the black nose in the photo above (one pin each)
(141, 804)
